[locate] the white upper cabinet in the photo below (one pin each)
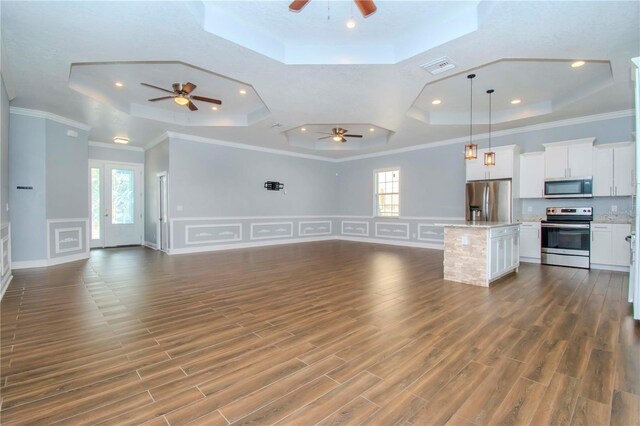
(614, 169)
(532, 175)
(602, 171)
(624, 173)
(504, 168)
(569, 159)
(556, 162)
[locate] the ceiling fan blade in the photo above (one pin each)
(367, 7)
(340, 131)
(156, 87)
(324, 133)
(343, 140)
(159, 99)
(203, 99)
(192, 106)
(188, 87)
(351, 136)
(298, 5)
(325, 137)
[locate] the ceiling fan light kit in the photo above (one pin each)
(338, 134)
(181, 95)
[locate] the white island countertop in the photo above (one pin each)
(479, 224)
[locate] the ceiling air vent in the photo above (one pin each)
(439, 65)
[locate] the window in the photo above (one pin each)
(122, 197)
(387, 192)
(96, 203)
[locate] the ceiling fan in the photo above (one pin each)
(181, 94)
(338, 134)
(366, 7)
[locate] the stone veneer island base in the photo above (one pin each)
(479, 253)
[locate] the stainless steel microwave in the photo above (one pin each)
(569, 187)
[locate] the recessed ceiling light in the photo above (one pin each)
(119, 84)
(215, 108)
(351, 23)
(577, 64)
(371, 129)
(121, 140)
(304, 129)
(243, 92)
(436, 102)
(515, 101)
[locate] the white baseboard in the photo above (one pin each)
(219, 247)
(609, 267)
(391, 242)
(151, 245)
(5, 284)
(41, 263)
(530, 260)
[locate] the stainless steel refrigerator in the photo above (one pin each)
(489, 201)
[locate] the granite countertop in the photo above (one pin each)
(613, 218)
(486, 225)
(601, 218)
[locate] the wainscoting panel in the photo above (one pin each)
(360, 229)
(67, 237)
(314, 228)
(270, 230)
(212, 234)
(392, 230)
(433, 233)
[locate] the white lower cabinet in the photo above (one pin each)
(504, 250)
(608, 245)
(530, 238)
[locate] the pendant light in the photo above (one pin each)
(490, 156)
(471, 149)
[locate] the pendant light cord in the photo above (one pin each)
(471, 77)
(490, 92)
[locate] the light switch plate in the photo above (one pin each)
(465, 240)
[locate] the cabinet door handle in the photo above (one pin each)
(610, 190)
(592, 237)
(616, 191)
(569, 172)
(538, 234)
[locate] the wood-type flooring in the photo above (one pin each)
(325, 333)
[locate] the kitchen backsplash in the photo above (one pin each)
(601, 205)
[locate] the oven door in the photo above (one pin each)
(566, 238)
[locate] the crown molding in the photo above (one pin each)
(116, 146)
(49, 116)
(163, 136)
(506, 132)
(218, 142)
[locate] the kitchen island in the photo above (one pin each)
(479, 253)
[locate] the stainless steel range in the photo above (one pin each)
(566, 236)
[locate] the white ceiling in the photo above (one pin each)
(98, 81)
(318, 34)
(42, 39)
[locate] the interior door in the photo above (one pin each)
(122, 205)
(163, 221)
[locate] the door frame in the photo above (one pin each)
(102, 164)
(157, 213)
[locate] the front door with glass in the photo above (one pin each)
(116, 204)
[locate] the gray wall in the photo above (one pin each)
(431, 183)
(115, 154)
(156, 161)
(41, 155)
(211, 180)
(67, 172)
(432, 180)
(27, 156)
(4, 153)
